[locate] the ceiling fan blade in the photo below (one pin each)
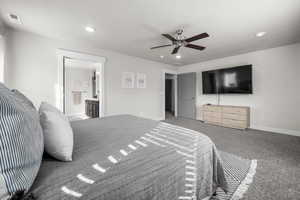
(175, 50)
(193, 46)
(197, 37)
(167, 45)
(169, 37)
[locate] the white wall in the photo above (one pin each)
(2, 47)
(32, 68)
(2, 51)
(275, 102)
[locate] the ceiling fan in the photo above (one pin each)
(180, 41)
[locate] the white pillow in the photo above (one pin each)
(58, 134)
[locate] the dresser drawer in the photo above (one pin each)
(212, 114)
(212, 119)
(235, 116)
(212, 108)
(235, 110)
(228, 116)
(234, 123)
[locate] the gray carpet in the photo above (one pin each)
(278, 155)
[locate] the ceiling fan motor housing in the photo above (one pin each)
(179, 35)
(179, 31)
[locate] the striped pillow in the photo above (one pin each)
(23, 98)
(21, 144)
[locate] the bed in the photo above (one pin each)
(125, 157)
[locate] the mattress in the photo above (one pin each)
(126, 157)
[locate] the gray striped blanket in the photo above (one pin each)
(125, 157)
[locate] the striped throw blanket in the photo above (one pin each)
(125, 157)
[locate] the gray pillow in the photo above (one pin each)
(21, 144)
(58, 134)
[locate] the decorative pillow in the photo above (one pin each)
(23, 98)
(21, 144)
(58, 134)
(48, 107)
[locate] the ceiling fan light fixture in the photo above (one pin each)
(13, 18)
(90, 29)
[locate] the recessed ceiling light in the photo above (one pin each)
(89, 29)
(260, 34)
(178, 56)
(161, 56)
(14, 18)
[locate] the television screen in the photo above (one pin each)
(236, 80)
(209, 82)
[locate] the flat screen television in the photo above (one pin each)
(235, 80)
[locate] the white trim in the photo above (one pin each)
(152, 118)
(158, 119)
(145, 117)
(61, 53)
(163, 95)
(277, 130)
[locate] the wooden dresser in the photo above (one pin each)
(228, 116)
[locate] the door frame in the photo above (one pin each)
(62, 54)
(163, 93)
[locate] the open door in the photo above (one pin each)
(81, 89)
(187, 95)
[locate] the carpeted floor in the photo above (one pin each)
(278, 155)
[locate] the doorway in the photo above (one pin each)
(80, 90)
(170, 95)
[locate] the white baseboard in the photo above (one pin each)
(277, 130)
(155, 119)
(146, 117)
(159, 119)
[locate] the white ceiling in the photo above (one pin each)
(133, 26)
